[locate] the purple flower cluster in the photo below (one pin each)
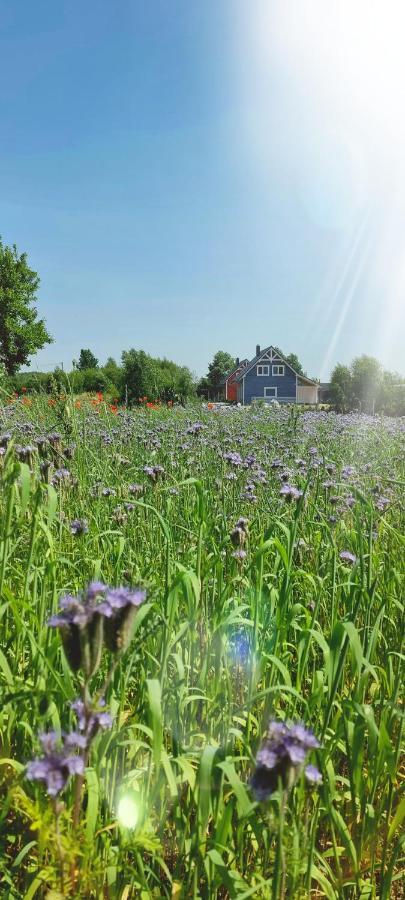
(289, 492)
(60, 762)
(56, 766)
(61, 476)
(79, 526)
(100, 617)
(281, 758)
(89, 722)
(82, 610)
(233, 458)
(154, 472)
(135, 488)
(348, 557)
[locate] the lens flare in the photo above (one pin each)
(128, 810)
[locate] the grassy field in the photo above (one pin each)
(269, 544)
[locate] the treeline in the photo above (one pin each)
(367, 387)
(139, 375)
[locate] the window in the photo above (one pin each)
(277, 370)
(270, 392)
(263, 370)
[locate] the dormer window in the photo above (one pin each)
(263, 370)
(277, 370)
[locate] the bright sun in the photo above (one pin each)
(327, 77)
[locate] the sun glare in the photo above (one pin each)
(128, 810)
(323, 86)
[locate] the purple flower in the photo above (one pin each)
(79, 526)
(89, 721)
(290, 492)
(119, 598)
(348, 557)
(49, 741)
(233, 458)
(281, 758)
(347, 471)
(313, 775)
(95, 588)
(60, 476)
(239, 554)
(135, 488)
(153, 472)
(99, 617)
(56, 767)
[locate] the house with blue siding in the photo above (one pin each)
(269, 377)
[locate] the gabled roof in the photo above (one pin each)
(260, 356)
(243, 363)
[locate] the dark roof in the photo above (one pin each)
(262, 353)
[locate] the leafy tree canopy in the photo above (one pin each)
(293, 360)
(156, 379)
(221, 364)
(365, 386)
(87, 360)
(22, 334)
(341, 388)
(367, 376)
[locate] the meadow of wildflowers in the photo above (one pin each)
(201, 652)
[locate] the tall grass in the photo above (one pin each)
(291, 631)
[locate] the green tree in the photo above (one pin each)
(113, 373)
(341, 388)
(367, 376)
(221, 364)
(293, 361)
(87, 360)
(22, 334)
(391, 394)
(140, 375)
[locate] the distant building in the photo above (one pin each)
(324, 392)
(268, 376)
(229, 387)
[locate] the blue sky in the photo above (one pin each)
(207, 174)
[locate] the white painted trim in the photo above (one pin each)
(278, 374)
(262, 374)
(270, 387)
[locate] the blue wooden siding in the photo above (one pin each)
(285, 384)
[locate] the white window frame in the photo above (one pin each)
(270, 389)
(263, 374)
(275, 372)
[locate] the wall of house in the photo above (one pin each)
(285, 384)
(232, 390)
(307, 393)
